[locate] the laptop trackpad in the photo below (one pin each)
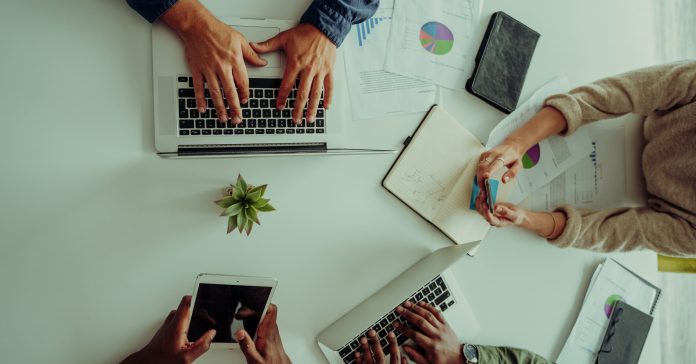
(259, 34)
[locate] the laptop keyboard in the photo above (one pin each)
(259, 115)
(435, 292)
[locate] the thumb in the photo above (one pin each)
(201, 346)
(512, 172)
(248, 348)
(251, 56)
(509, 212)
(414, 355)
(270, 45)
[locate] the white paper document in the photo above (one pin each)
(610, 283)
(596, 182)
(373, 91)
(433, 40)
(551, 156)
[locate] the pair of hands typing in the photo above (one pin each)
(216, 55)
(434, 341)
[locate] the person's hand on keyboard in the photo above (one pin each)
(215, 53)
(268, 348)
(436, 342)
(310, 57)
(372, 352)
(170, 344)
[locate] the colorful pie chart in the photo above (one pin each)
(436, 38)
(609, 305)
(531, 157)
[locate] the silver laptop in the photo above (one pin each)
(428, 280)
(181, 131)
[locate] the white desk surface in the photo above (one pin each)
(100, 237)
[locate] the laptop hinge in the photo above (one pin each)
(241, 149)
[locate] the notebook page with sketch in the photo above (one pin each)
(434, 173)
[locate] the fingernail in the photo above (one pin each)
(363, 340)
(310, 119)
(371, 333)
(390, 334)
(296, 121)
(212, 335)
(505, 179)
(239, 335)
(399, 309)
(245, 100)
(223, 118)
(396, 324)
(407, 304)
(237, 119)
(201, 109)
(421, 303)
(498, 209)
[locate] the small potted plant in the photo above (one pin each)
(242, 204)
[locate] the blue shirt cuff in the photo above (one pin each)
(151, 10)
(329, 21)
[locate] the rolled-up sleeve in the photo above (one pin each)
(335, 17)
(151, 9)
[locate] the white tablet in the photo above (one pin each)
(227, 304)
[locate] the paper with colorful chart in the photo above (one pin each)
(596, 182)
(433, 40)
(611, 282)
(373, 91)
(550, 157)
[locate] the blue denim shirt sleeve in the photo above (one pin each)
(151, 9)
(335, 17)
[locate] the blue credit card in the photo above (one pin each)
(492, 187)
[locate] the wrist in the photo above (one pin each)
(139, 357)
(542, 223)
(188, 17)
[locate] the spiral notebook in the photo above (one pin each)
(434, 176)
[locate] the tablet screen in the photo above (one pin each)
(227, 308)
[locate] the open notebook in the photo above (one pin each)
(434, 176)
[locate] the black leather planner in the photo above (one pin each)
(502, 62)
(625, 336)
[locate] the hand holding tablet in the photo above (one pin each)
(228, 304)
(170, 344)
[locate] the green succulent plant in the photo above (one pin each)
(242, 204)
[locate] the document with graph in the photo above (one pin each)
(434, 176)
(434, 40)
(550, 157)
(373, 91)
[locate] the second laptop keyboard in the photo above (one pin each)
(259, 115)
(436, 293)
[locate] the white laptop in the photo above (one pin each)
(428, 280)
(181, 131)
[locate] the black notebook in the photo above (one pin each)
(625, 336)
(502, 62)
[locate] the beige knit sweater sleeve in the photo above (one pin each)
(643, 92)
(650, 91)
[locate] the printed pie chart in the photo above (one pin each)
(436, 38)
(609, 305)
(531, 157)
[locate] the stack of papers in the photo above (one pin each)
(396, 59)
(611, 282)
